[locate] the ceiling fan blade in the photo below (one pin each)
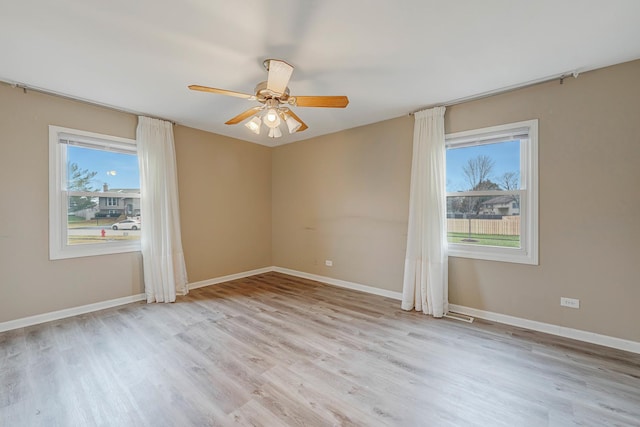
(320, 101)
(303, 125)
(279, 75)
(222, 92)
(240, 117)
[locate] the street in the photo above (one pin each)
(96, 231)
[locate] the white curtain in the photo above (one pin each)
(425, 285)
(165, 274)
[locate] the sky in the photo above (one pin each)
(118, 170)
(506, 156)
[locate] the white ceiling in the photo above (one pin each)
(389, 57)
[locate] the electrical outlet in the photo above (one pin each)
(328, 263)
(570, 302)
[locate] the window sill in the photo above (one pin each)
(487, 253)
(79, 251)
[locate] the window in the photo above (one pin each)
(89, 175)
(492, 193)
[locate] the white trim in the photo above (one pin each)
(74, 311)
(68, 312)
(590, 337)
(58, 247)
(548, 328)
(462, 138)
(217, 280)
(528, 252)
(533, 325)
(340, 283)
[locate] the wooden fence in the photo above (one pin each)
(507, 226)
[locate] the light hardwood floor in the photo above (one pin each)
(274, 350)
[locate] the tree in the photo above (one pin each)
(486, 185)
(80, 180)
(509, 181)
(472, 204)
(478, 170)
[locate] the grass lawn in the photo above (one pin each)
(79, 240)
(485, 239)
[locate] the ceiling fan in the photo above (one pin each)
(275, 98)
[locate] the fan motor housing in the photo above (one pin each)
(263, 94)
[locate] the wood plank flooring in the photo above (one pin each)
(274, 350)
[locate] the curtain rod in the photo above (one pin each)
(500, 91)
(451, 103)
(26, 88)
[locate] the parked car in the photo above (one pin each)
(127, 224)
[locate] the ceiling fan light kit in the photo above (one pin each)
(254, 125)
(272, 93)
(275, 132)
(271, 118)
(292, 124)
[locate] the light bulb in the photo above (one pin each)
(271, 119)
(272, 115)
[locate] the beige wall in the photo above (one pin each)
(589, 205)
(224, 197)
(225, 203)
(345, 197)
(30, 284)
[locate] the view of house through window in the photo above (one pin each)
(491, 184)
(103, 195)
(483, 194)
(94, 194)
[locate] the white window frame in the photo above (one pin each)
(528, 251)
(58, 205)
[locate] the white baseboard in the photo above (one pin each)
(68, 312)
(74, 311)
(340, 283)
(217, 280)
(533, 325)
(549, 328)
